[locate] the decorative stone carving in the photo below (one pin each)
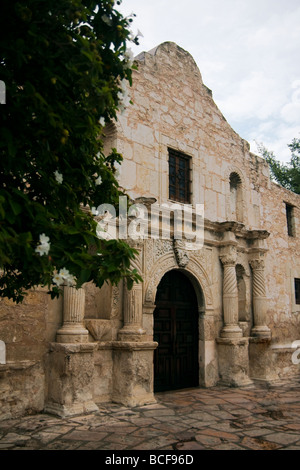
(229, 257)
(115, 293)
(168, 262)
(164, 264)
(100, 329)
(181, 255)
(162, 247)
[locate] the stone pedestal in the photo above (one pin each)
(233, 362)
(133, 373)
(260, 360)
(208, 354)
(70, 379)
(73, 330)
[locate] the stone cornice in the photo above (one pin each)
(237, 228)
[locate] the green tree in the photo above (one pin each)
(65, 65)
(287, 175)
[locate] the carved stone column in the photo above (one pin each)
(70, 367)
(231, 328)
(73, 330)
(259, 298)
(133, 314)
(233, 357)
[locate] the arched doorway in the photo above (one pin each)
(176, 331)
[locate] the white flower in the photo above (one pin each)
(44, 238)
(102, 121)
(58, 177)
(123, 96)
(129, 58)
(64, 277)
(64, 272)
(67, 276)
(94, 211)
(106, 19)
(44, 247)
(58, 279)
(98, 180)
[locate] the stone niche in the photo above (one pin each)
(103, 311)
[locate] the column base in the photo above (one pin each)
(233, 362)
(72, 334)
(261, 332)
(231, 332)
(65, 411)
(129, 333)
(133, 373)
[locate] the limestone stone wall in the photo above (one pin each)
(173, 108)
(27, 330)
(282, 264)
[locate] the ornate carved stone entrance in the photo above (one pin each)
(176, 331)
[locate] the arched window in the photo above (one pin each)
(236, 197)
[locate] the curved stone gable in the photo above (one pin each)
(175, 56)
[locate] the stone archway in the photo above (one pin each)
(161, 259)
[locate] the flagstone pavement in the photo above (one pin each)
(219, 418)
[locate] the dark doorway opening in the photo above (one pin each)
(176, 331)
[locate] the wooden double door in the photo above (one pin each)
(176, 331)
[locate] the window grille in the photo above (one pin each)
(179, 176)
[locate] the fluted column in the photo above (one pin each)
(133, 313)
(259, 299)
(231, 328)
(73, 330)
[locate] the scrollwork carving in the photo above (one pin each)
(181, 255)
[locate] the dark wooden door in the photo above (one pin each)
(176, 331)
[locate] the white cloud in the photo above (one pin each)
(291, 110)
(254, 97)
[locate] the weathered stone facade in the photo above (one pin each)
(65, 356)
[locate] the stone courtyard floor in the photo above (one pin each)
(252, 418)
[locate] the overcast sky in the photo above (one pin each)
(248, 53)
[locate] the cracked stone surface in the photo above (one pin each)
(251, 418)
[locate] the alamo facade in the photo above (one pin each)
(224, 312)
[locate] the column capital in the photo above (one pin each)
(228, 255)
(257, 264)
